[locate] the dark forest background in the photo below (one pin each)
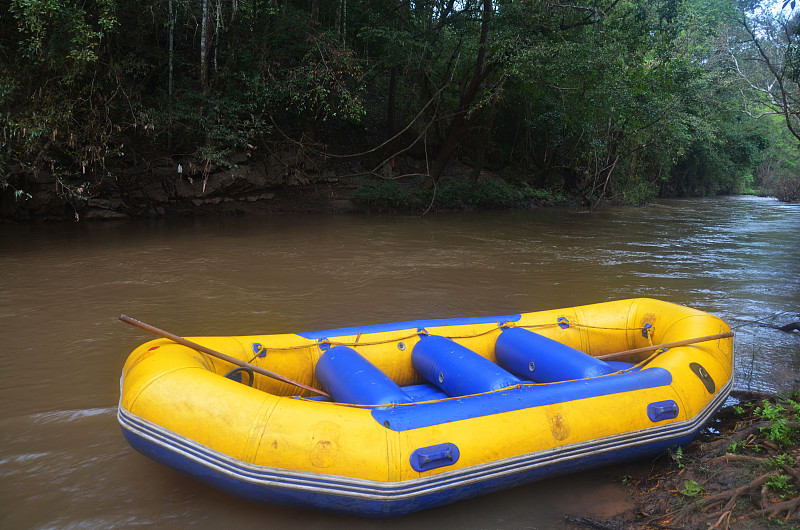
(618, 100)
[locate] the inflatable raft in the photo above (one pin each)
(428, 412)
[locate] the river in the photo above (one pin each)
(65, 464)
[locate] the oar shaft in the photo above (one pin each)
(675, 344)
(218, 355)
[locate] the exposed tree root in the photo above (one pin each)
(747, 477)
(789, 507)
(732, 496)
(727, 458)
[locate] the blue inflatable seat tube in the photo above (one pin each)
(456, 370)
(543, 360)
(350, 378)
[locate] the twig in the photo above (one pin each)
(719, 521)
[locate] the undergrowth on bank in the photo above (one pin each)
(452, 195)
(745, 476)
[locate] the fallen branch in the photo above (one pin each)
(731, 496)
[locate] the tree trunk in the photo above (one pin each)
(232, 33)
(337, 22)
(171, 68)
(461, 125)
(391, 103)
(204, 48)
(171, 51)
(314, 12)
(480, 155)
(422, 83)
(217, 26)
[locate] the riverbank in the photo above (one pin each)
(282, 182)
(290, 180)
(742, 472)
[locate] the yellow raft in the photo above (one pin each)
(428, 412)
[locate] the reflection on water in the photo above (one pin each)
(64, 285)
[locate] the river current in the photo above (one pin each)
(65, 464)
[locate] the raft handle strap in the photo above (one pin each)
(238, 369)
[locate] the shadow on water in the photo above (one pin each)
(64, 463)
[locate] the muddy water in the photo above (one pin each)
(64, 463)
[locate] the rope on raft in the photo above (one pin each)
(647, 331)
(262, 349)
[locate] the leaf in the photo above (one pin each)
(692, 488)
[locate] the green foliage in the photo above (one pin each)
(770, 411)
(736, 446)
(781, 484)
(777, 462)
(490, 194)
(679, 456)
(692, 489)
(795, 406)
(634, 107)
(622, 101)
(635, 191)
(326, 84)
(63, 32)
(388, 195)
(779, 431)
(778, 171)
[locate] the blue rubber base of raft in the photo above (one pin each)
(386, 500)
(330, 494)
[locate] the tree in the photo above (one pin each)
(461, 124)
(767, 59)
(605, 99)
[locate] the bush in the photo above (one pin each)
(386, 195)
(453, 195)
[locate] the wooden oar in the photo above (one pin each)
(666, 345)
(218, 355)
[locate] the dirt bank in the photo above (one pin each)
(741, 472)
(286, 180)
(280, 181)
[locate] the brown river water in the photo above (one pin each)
(65, 464)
